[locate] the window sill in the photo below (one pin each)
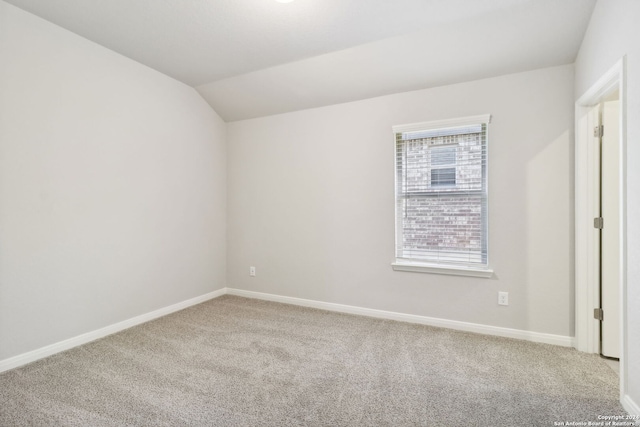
(443, 269)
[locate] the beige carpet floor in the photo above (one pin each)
(240, 362)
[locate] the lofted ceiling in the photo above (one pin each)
(251, 58)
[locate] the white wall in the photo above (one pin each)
(612, 34)
(311, 203)
(112, 187)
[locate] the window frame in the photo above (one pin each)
(427, 266)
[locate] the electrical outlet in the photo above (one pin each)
(252, 271)
(503, 298)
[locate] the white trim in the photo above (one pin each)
(438, 124)
(32, 356)
(411, 318)
(586, 249)
(630, 406)
(443, 269)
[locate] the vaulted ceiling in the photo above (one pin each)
(251, 58)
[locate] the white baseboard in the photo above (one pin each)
(412, 318)
(627, 402)
(32, 356)
(630, 406)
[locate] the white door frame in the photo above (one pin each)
(587, 170)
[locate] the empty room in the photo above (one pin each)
(319, 213)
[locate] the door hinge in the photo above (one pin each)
(598, 223)
(598, 314)
(598, 131)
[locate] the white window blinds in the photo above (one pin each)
(441, 192)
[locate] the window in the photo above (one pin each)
(441, 197)
(443, 162)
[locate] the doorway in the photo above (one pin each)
(592, 270)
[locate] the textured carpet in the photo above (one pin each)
(240, 362)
